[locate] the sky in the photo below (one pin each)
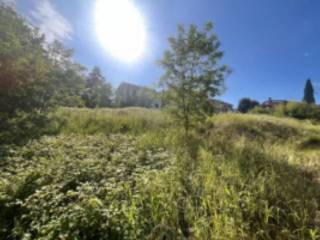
(272, 46)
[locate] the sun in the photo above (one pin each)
(120, 29)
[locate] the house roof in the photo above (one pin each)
(274, 101)
(125, 85)
(221, 103)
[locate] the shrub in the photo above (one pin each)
(76, 188)
(311, 142)
(298, 110)
(246, 104)
(22, 127)
(261, 110)
(302, 110)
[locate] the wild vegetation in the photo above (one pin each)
(36, 76)
(70, 169)
(246, 104)
(126, 174)
(193, 73)
(298, 110)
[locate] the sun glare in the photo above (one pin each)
(120, 29)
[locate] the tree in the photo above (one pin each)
(98, 92)
(193, 74)
(24, 77)
(309, 93)
(246, 104)
(67, 76)
(34, 77)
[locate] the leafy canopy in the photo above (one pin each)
(193, 74)
(246, 104)
(98, 92)
(67, 76)
(25, 87)
(23, 65)
(35, 77)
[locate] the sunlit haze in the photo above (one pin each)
(269, 43)
(120, 29)
(160, 119)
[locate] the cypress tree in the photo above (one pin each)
(309, 93)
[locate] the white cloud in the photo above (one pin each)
(50, 21)
(9, 2)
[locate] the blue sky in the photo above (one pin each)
(272, 46)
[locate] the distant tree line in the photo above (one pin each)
(246, 104)
(307, 109)
(36, 76)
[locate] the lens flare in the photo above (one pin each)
(120, 29)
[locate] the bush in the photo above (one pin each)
(298, 110)
(246, 104)
(76, 188)
(302, 111)
(261, 110)
(309, 143)
(22, 127)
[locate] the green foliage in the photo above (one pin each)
(67, 76)
(73, 187)
(308, 96)
(245, 177)
(246, 104)
(193, 74)
(35, 76)
(22, 127)
(261, 110)
(292, 109)
(98, 92)
(107, 121)
(310, 142)
(234, 206)
(132, 173)
(302, 111)
(25, 88)
(23, 66)
(261, 128)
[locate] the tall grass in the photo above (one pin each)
(241, 177)
(107, 121)
(251, 182)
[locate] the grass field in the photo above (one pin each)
(131, 174)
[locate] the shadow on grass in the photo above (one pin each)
(286, 197)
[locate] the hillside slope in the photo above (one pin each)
(126, 174)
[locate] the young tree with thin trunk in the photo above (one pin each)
(193, 73)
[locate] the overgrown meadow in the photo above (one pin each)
(132, 174)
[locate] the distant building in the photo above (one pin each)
(218, 106)
(270, 103)
(130, 95)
